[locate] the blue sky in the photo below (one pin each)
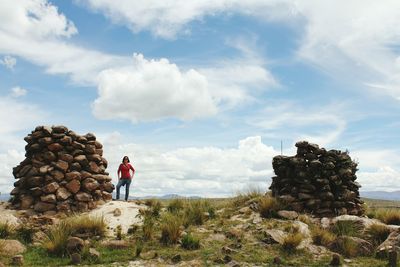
(201, 94)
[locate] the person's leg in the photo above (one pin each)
(128, 183)
(120, 182)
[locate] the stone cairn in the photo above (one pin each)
(62, 172)
(317, 181)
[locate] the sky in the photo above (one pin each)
(200, 94)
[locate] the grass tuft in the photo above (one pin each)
(322, 237)
(347, 227)
(6, 229)
(268, 206)
(242, 197)
(86, 224)
(176, 205)
(377, 233)
(55, 242)
(292, 241)
(25, 233)
(387, 216)
(170, 229)
(190, 242)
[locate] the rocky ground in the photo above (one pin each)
(230, 232)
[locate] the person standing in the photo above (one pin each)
(125, 174)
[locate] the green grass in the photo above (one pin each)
(170, 229)
(242, 197)
(176, 205)
(348, 228)
(190, 242)
(55, 242)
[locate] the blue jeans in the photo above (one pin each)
(126, 183)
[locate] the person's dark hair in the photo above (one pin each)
(125, 157)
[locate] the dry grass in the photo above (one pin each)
(346, 247)
(6, 229)
(322, 237)
(55, 242)
(170, 229)
(268, 206)
(86, 224)
(176, 205)
(377, 233)
(292, 241)
(195, 212)
(388, 216)
(148, 228)
(251, 193)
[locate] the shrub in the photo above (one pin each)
(268, 206)
(194, 213)
(56, 239)
(6, 229)
(138, 249)
(291, 241)
(25, 233)
(377, 233)
(347, 227)
(85, 224)
(170, 229)
(176, 205)
(154, 207)
(148, 228)
(322, 237)
(132, 229)
(190, 242)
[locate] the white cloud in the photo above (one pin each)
(9, 62)
(156, 89)
(151, 90)
(168, 18)
(357, 41)
(8, 160)
(37, 32)
(18, 91)
(205, 171)
(319, 124)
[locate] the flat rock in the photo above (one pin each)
(12, 247)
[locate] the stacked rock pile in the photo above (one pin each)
(317, 181)
(62, 172)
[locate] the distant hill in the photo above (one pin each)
(395, 195)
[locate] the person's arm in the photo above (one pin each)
(133, 171)
(119, 172)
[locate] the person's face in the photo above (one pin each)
(125, 160)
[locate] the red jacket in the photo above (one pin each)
(124, 170)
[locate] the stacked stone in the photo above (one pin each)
(62, 172)
(317, 181)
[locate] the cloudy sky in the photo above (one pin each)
(201, 93)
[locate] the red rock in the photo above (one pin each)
(26, 202)
(62, 193)
(61, 165)
(57, 175)
(94, 167)
(55, 147)
(51, 188)
(73, 186)
(51, 198)
(83, 197)
(106, 196)
(65, 157)
(43, 206)
(74, 175)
